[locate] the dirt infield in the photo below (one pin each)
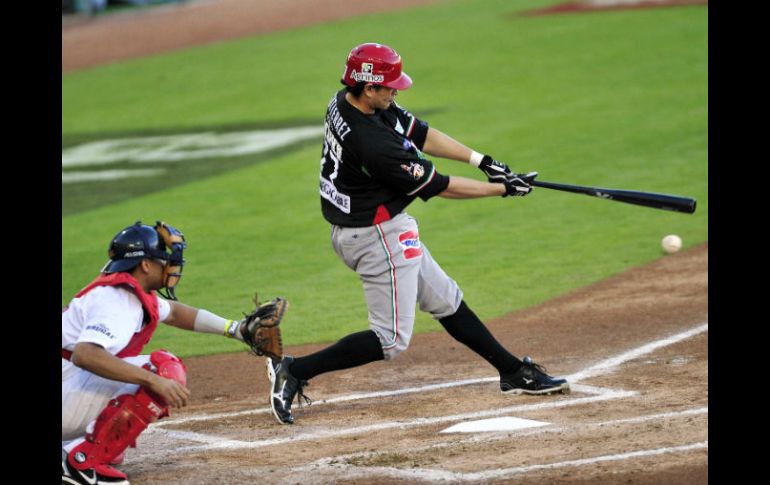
(635, 348)
(88, 42)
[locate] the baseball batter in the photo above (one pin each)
(110, 393)
(373, 165)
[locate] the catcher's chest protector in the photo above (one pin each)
(149, 304)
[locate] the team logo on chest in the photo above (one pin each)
(414, 169)
(410, 243)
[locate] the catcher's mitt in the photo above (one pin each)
(260, 328)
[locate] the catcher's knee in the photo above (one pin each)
(165, 364)
(168, 365)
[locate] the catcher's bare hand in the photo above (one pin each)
(172, 392)
(260, 328)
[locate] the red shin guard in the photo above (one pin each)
(126, 416)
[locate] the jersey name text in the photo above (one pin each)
(329, 192)
(335, 119)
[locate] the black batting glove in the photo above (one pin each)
(519, 185)
(526, 177)
(496, 172)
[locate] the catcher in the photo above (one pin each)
(111, 392)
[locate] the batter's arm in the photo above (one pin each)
(465, 188)
(440, 144)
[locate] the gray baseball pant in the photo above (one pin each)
(397, 272)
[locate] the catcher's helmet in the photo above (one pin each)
(376, 64)
(133, 244)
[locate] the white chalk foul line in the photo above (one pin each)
(444, 475)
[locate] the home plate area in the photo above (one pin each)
(620, 420)
(494, 424)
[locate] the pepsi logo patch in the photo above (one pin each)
(414, 169)
(410, 244)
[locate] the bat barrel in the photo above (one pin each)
(655, 200)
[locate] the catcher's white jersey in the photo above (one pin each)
(107, 316)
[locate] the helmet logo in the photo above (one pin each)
(366, 74)
(133, 254)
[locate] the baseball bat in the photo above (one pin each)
(667, 202)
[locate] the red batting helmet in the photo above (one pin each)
(376, 64)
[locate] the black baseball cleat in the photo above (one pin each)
(531, 379)
(101, 474)
(283, 388)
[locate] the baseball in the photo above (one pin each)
(671, 243)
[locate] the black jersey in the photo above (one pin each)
(372, 166)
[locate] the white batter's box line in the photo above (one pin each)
(333, 433)
(349, 397)
(434, 475)
(369, 395)
(483, 438)
(597, 369)
(606, 365)
(499, 436)
(184, 435)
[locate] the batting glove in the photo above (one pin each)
(519, 184)
(494, 170)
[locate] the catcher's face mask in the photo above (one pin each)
(172, 271)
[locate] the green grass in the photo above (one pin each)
(615, 99)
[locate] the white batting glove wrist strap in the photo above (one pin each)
(476, 158)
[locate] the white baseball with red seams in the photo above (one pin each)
(671, 243)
